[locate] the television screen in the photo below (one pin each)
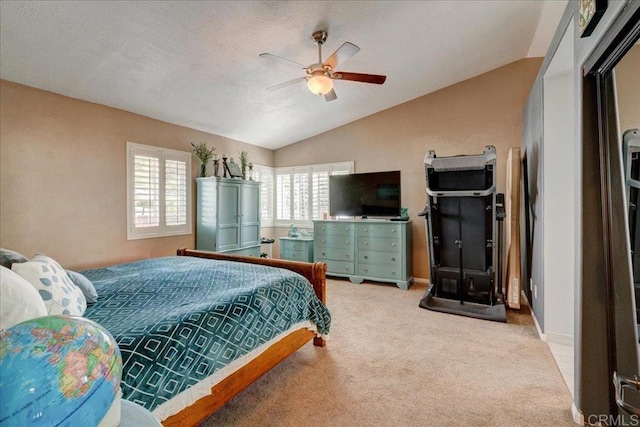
(365, 194)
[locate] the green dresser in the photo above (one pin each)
(377, 250)
(296, 249)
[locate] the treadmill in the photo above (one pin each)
(464, 216)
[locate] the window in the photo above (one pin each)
(264, 174)
(158, 192)
(302, 193)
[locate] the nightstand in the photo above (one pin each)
(296, 249)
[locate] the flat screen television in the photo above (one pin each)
(365, 194)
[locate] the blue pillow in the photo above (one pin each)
(8, 257)
(85, 285)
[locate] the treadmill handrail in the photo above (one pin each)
(462, 193)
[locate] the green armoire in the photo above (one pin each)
(228, 216)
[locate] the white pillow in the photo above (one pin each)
(60, 295)
(19, 300)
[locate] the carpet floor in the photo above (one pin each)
(390, 363)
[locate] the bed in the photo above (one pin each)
(189, 347)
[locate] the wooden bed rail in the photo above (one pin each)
(314, 272)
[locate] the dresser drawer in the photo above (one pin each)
(380, 271)
(332, 241)
(338, 254)
(382, 245)
(338, 267)
(389, 259)
(334, 228)
(379, 230)
(293, 255)
(293, 245)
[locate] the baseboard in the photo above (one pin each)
(421, 280)
(543, 337)
(578, 417)
(557, 338)
(533, 316)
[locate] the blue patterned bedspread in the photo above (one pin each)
(178, 320)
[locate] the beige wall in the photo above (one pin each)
(628, 90)
(63, 176)
(459, 119)
(62, 161)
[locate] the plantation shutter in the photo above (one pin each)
(264, 175)
(320, 192)
(301, 195)
(146, 191)
(175, 190)
(283, 188)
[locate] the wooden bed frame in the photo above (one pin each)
(225, 390)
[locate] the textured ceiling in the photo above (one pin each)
(196, 64)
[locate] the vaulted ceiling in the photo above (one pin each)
(197, 64)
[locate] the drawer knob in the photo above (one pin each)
(393, 259)
(366, 243)
(366, 229)
(366, 270)
(324, 241)
(393, 244)
(346, 256)
(366, 257)
(393, 231)
(347, 242)
(393, 273)
(323, 254)
(324, 228)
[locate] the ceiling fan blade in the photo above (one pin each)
(288, 83)
(283, 60)
(330, 96)
(359, 77)
(344, 52)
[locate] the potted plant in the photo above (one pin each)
(204, 154)
(244, 162)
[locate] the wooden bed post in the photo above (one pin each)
(320, 287)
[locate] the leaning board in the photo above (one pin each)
(513, 275)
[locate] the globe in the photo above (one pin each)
(58, 370)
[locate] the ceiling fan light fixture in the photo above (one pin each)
(320, 85)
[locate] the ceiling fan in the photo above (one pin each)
(320, 75)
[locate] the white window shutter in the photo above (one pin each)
(144, 192)
(264, 175)
(283, 189)
(301, 194)
(177, 188)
